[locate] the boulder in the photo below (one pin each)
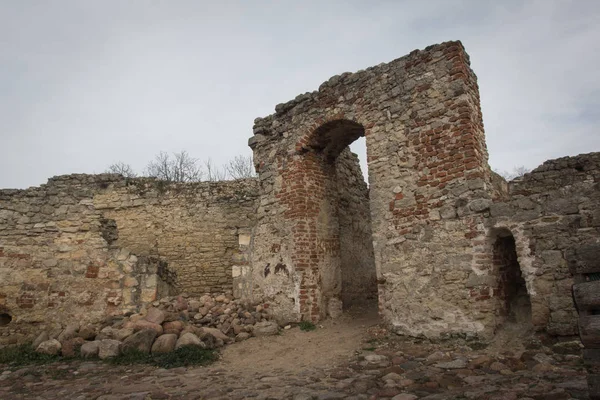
(266, 328)
(216, 333)
(87, 332)
(143, 324)
(181, 304)
(51, 347)
(173, 327)
(113, 333)
(194, 305)
(209, 340)
(155, 316)
(90, 349)
(141, 341)
(69, 332)
(240, 337)
(42, 337)
(189, 339)
(172, 316)
(164, 343)
(71, 347)
(108, 348)
(222, 299)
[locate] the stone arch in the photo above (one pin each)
(331, 137)
(511, 287)
(333, 212)
(427, 172)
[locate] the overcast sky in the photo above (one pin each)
(87, 83)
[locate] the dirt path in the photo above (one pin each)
(333, 341)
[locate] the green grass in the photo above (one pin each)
(307, 326)
(17, 356)
(24, 354)
(183, 357)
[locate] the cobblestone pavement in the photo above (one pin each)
(382, 367)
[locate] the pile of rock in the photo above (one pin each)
(209, 322)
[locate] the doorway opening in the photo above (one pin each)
(343, 225)
(512, 288)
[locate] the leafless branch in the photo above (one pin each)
(240, 167)
(121, 168)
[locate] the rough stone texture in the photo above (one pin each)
(266, 328)
(165, 343)
(90, 349)
(188, 339)
(195, 227)
(426, 153)
(108, 348)
(71, 347)
(552, 212)
(141, 341)
(51, 347)
(66, 247)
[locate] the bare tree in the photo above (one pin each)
(121, 168)
(214, 173)
(181, 167)
(516, 173)
(240, 167)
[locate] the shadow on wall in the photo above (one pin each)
(5, 319)
(511, 289)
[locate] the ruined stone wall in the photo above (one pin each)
(429, 185)
(357, 268)
(550, 211)
(56, 262)
(194, 226)
(85, 247)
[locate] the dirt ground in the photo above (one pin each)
(333, 342)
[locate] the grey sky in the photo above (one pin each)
(86, 83)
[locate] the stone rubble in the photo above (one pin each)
(210, 321)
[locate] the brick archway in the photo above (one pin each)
(328, 208)
(429, 184)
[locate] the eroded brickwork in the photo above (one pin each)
(426, 152)
(550, 211)
(55, 264)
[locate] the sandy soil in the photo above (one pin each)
(332, 342)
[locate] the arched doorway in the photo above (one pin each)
(515, 304)
(341, 268)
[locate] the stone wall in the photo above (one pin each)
(87, 247)
(56, 264)
(427, 158)
(194, 226)
(447, 246)
(550, 211)
(357, 268)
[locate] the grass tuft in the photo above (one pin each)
(16, 356)
(182, 357)
(307, 326)
(24, 354)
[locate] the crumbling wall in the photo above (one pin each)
(550, 211)
(357, 268)
(427, 160)
(86, 247)
(194, 226)
(57, 262)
